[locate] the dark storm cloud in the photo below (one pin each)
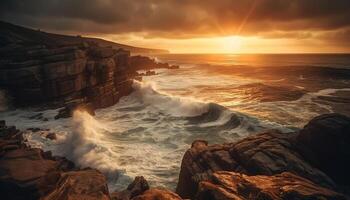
(179, 18)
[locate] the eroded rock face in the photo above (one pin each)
(139, 190)
(325, 142)
(308, 154)
(69, 73)
(84, 184)
(29, 173)
(286, 186)
(267, 153)
(21, 168)
(158, 194)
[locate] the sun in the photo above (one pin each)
(231, 44)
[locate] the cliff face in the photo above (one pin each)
(37, 67)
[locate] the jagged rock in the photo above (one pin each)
(139, 190)
(286, 186)
(137, 187)
(57, 70)
(324, 142)
(79, 185)
(267, 153)
(158, 194)
(20, 170)
(146, 63)
(51, 136)
(319, 153)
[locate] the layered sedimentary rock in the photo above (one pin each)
(272, 153)
(77, 74)
(286, 186)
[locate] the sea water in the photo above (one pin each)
(218, 98)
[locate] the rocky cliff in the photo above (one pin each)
(38, 67)
(266, 166)
(46, 69)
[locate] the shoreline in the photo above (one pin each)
(216, 171)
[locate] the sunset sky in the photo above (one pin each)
(195, 26)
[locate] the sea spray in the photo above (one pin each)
(173, 105)
(84, 145)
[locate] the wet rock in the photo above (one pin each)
(51, 136)
(324, 142)
(70, 108)
(150, 73)
(146, 63)
(137, 187)
(286, 186)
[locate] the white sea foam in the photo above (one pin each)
(176, 106)
(147, 132)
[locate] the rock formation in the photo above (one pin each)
(29, 173)
(231, 185)
(272, 153)
(78, 73)
(270, 165)
(145, 63)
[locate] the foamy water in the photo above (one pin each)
(147, 132)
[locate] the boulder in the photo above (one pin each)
(325, 142)
(20, 171)
(139, 190)
(158, 194)
(286, 186)
(137, 187)
(79, 185)
(268, 153)
(51, 136)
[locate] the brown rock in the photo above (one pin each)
(51, 136)
(325, 142)
(20, 171)
(80, 185)
(267, 153)
(137, 187)
(158, 194)
(286, 186)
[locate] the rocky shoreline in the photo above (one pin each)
(309, 164)
(78, 74)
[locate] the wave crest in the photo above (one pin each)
(168, 104)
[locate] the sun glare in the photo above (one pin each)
(231, 44)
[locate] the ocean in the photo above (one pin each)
(218, 98)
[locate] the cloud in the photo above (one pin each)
(181, 18)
